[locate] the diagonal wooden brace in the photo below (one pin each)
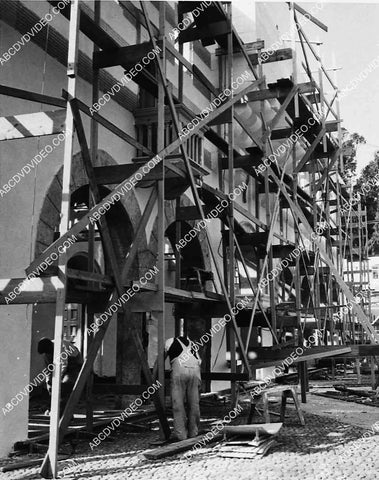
(312, 235)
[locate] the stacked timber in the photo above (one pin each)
(242, 446)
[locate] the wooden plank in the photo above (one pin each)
(277, 56)
(364, 350)
(114, 174)
(191, 213)
(49, 467)
(310, 17)
(330, 126)
(90, 276)
(265, 428)
(160, 313)
(34, 462)
(122, 55)
(243, 161)
(250, 47)
(277, 92)
(32, 96)
(178, 447)
(174, 294)
(32, 124)
(267, 353)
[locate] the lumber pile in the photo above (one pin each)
(242, 446)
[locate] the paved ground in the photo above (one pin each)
(313, 452)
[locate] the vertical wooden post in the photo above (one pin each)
(49, 468)
(230, 283)
(91, 227)
(302, 366)
(161, 209)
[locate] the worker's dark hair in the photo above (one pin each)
(45, 345)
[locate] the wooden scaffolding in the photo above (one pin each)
(307, 300)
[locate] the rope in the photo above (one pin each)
(38, 143)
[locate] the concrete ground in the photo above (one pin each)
(313, 452)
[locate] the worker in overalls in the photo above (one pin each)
(185, 386)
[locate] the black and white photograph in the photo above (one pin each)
(189, 240)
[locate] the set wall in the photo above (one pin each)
(15, 333)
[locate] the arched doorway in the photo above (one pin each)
(121, 218)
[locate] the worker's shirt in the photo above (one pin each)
(71, 363)
(174, 349)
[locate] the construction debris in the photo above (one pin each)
(240, 447)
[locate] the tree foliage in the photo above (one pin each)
(370, 201)
(350, 141)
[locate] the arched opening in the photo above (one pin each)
(110, 361)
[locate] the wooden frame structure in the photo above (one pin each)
(320, 266)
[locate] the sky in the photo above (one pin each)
(351, 43)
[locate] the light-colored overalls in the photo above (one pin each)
(185, 383)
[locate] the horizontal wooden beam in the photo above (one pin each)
(114, 174)
(32, 96)
(331, 126)
(90, 276)
(249, 47)
(277, 92)
(122, 55)
(191, 213)
(276, 56)
(364, 350)
(243, 161)
(211, 30)
(174, 295)
(41, 290)
(268, 357)
(32, 124)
